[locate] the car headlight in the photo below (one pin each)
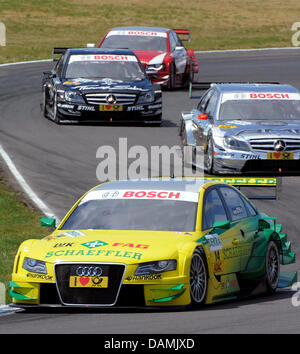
(236, 144)
(156, 267)
(34, 265)
(73, 96)
(146, 97)
(154, 68)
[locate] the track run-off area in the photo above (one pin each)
(59, 163)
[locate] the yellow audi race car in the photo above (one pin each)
(162, 242)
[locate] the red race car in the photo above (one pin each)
(160, 50)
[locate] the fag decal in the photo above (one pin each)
(132, 245)
(141, 194)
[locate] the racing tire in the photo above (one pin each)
(45, 104)
(172, 79)
(56, 116)
(198, 278)
(272, 272)
(210, 157)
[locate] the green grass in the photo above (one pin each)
(34, 27)
(18, 222)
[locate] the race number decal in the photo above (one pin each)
(214, 241)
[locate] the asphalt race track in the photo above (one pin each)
(59, 163)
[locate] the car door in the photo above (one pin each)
(244, 221)
(203, 123)
(178, 52)
(52, 80)
(225, 258)
(207, 123)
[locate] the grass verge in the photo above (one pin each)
(18, 222)
(34, 27)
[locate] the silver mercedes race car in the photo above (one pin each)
(244, 128)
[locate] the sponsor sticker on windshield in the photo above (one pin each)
(141, 194)
(102, 57)
(260, 96)
(137, 33)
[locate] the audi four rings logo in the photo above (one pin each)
(111, 99)
(279, 145)
(88, 271)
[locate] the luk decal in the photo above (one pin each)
(94, 244)
(144, 277)
(65, 244)
(94, 253)
(214, 241)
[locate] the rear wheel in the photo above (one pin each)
(272, 267)
(198, 278)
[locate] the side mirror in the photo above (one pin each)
(48, 222)
(221, 225)
(202, 116)
(263, 224)
(49, 74)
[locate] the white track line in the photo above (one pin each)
(27, 189)
(244, 50)
(26, 62)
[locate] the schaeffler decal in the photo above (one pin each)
(95, 253)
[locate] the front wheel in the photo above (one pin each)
(210, 157)
(198, 278)
(56, 116)
(272, 267)
(172, 78)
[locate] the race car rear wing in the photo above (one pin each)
(203, 86)
(252, 184)
(184, 32)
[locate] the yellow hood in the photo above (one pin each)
(128, 247)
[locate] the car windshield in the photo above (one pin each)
(120, 214)
(136, 42)
(261, 108)
(116, 67)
